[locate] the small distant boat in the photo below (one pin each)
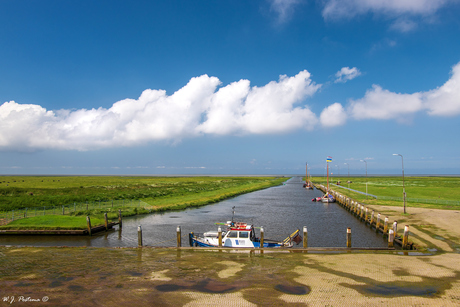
(240, 235)
(328, 198)
(307, 184)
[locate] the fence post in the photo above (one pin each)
(120, 223)
(12, 216)
(348, 237)
(305, 237)
(178, 231)
(88, 222)
(139, 235)
(63, 210)
(106, 220)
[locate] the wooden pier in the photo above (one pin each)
(362, 213)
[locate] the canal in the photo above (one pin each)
(280, 210)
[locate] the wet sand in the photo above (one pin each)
(75, 276)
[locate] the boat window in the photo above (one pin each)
(244, 234)
(232, 234)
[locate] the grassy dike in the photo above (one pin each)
(421, 192)
(157, 194)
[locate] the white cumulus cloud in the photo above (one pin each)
(346, 74)
(195, 109)
(383, 104)
(333, 115)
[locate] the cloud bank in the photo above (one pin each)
(205, 107)
(197, 108)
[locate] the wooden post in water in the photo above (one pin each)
(395, 228)
(367, 215)
(139, 235)
(406, 237)
(391, 237)
(377, 226)
(219, 232)
(372, 218)
(106, 222)
(305, 237)
(178, 231)
(362, 213)
(348, 237)
(385, 226)
(88, 222)
(261, 236)
(120, 223)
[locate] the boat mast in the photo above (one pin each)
(327, 170)
(306, 175)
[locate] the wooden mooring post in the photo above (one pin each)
(88, 222)
(395, 228)
(377, 226)
(385, 226)
(261, 236)
(178, 231)
(219, 232)
(348, 237)
(120, 222)
(106, 222)
(305, 237)
(405, 237)
(391, 237)
(139, 235)
(372, 218)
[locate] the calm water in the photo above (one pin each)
(281, 210)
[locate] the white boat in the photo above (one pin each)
(238, 235)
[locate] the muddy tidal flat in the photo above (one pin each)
(75, 276)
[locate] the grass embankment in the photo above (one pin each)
(156, 193)
(53, 222)
(422, 192)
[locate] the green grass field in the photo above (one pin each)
(157, 194)
(53, 222)
(427, 192)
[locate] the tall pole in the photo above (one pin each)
(366, 176)
(306, 172)
(348, 181)
(404, 189)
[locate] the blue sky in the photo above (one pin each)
(229, 87)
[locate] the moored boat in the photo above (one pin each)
(238, 235)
